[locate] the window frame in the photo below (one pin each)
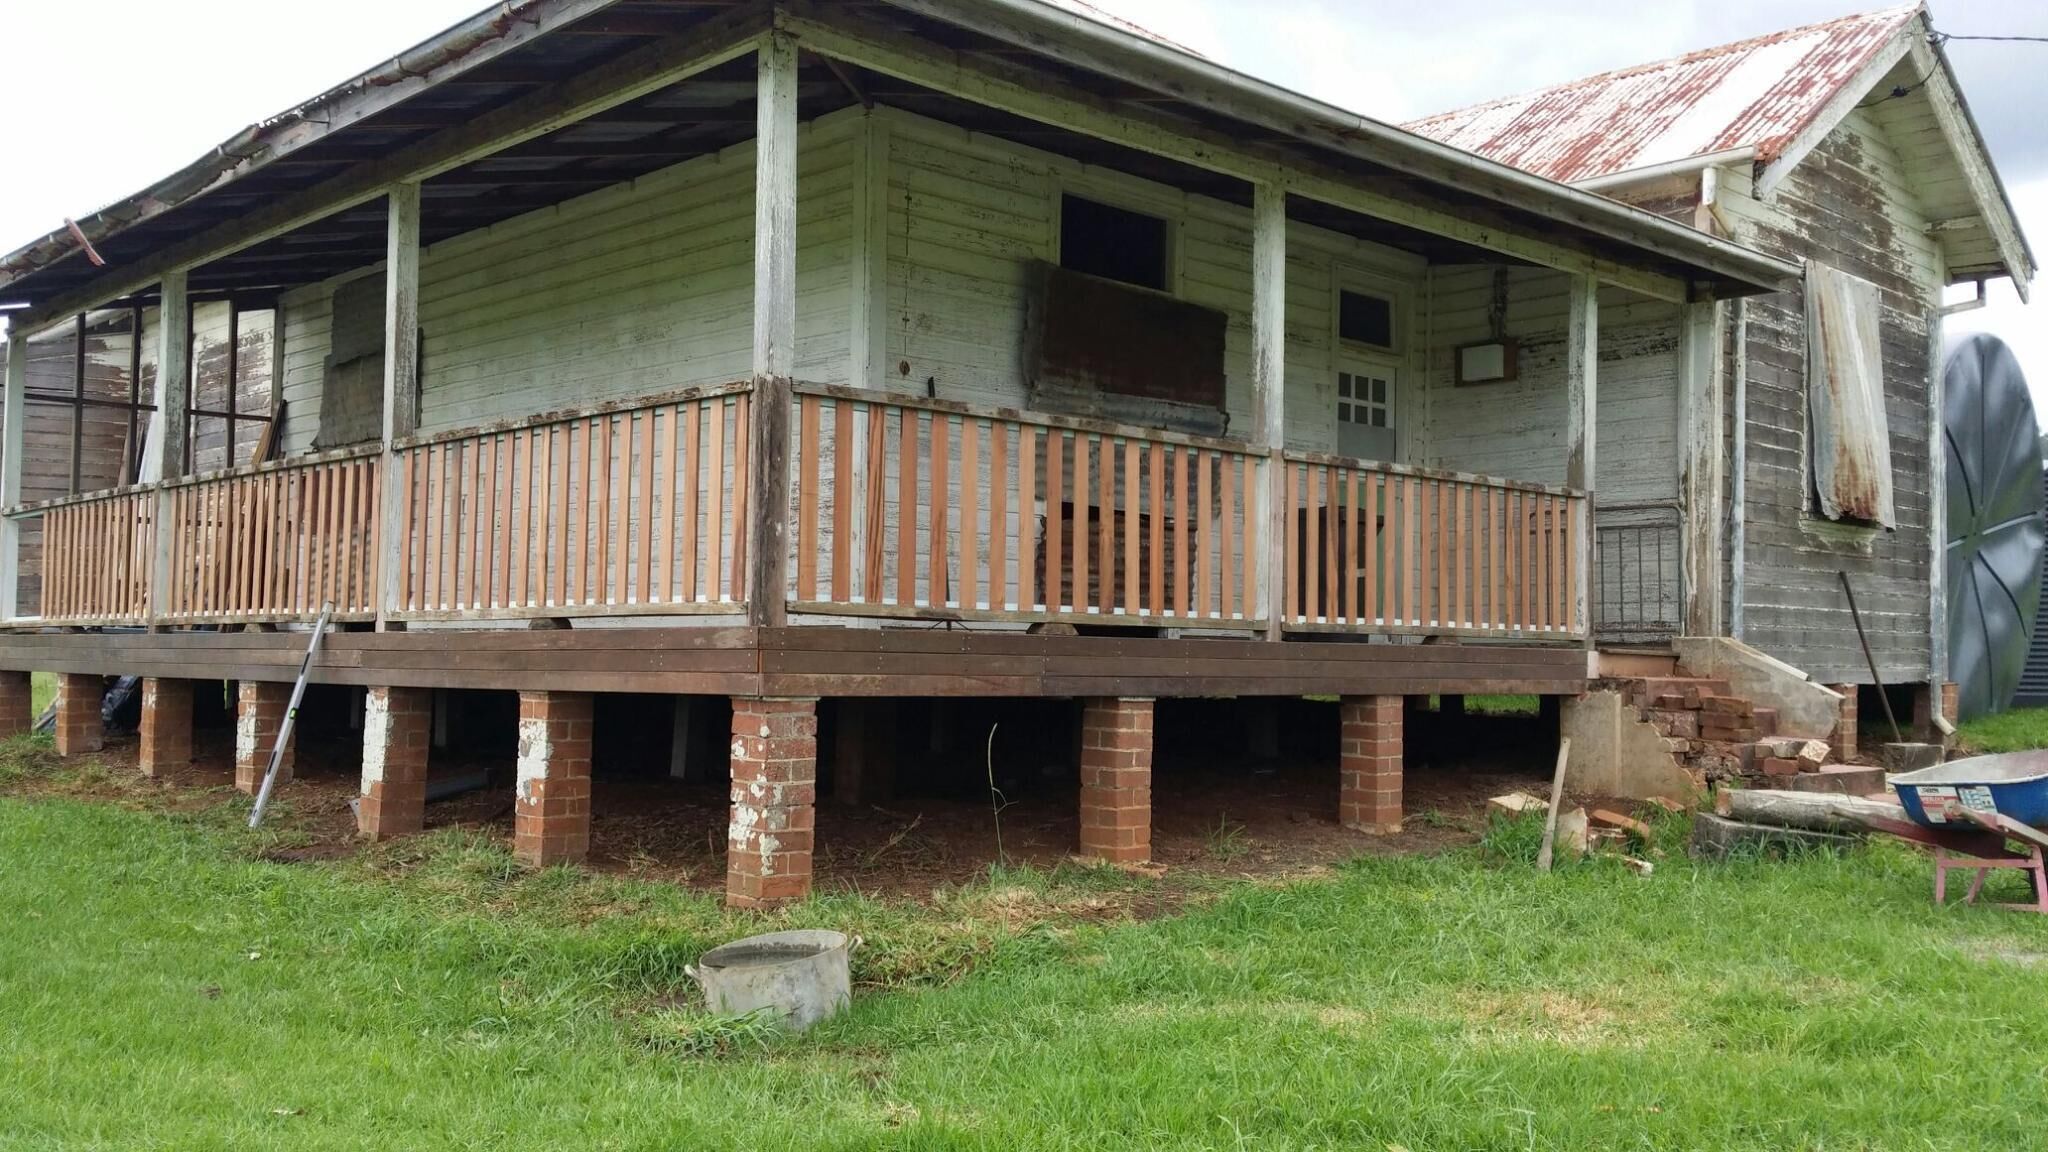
(1171, 211)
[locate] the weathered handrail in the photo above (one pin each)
(913, 507)
(618, 509)
(1392, 548)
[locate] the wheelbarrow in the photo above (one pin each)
(1978, 814)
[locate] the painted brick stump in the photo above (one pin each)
(1116, 780)
(78, 714)
(551, 810)
(397, 726)
(17, 704)
(166, 725)
(773, 823)
(259, 717)
(1369, 764)
(1844, 739)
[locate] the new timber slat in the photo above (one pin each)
(842, 499)
(970, 513)
(661, 589)
(715, 503)
(1027, 536)
(1055, 468)
(1290, 609)
(694, 456)
(999, 514)
(645, 573)
(1155, 478)
(906, 506)
(939, 542)
(807, 468)
(1105, 525)
(740, 459)
(1082, 508)
(1183, 576)
(874, 531)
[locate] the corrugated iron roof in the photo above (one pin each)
(1756, 93)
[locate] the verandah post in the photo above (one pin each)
(1582, 361)
(767, 557)
(401, 385)
(164, 454)
(1700, 468)
(12, 440)
(1269, 393)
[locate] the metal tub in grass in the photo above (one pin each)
(802, 977)
(2013, 784)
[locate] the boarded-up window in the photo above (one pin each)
(352, 394)
(1095, 347)
(1849, 444)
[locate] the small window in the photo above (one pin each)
(1362, 400)
(1113, 243)
(1364, 319)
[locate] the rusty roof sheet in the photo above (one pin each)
(1756, 93)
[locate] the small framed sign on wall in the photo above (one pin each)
(1487, 362)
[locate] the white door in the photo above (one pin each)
(1365, 409)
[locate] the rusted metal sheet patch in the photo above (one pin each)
(1851, 447)
(1756, 93)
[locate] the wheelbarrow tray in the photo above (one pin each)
(2013, 784)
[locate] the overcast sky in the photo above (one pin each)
(105, 96)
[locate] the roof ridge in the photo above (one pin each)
(1898, 12)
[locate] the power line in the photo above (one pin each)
(1944, 37)
(1900, 91)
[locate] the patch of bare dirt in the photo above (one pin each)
(1214, 815)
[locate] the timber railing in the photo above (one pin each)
(1395, 549)
(898, 506)
(622, 509)
(272, 542)
(930, 509)
(98, 553)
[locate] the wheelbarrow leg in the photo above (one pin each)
(1976, 885)
(1940, 877)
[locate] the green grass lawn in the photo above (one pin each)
(2014, 731)
(164, 986)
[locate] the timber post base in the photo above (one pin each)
(1116, 779)
(551, 802)
(166, 725)
(772, 831)
(1369, 766)
(397, 728)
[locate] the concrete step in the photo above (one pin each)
(1716, 837)
(1841, 779)
(1649, 689)
(1630, 664)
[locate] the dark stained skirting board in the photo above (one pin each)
(813, 661)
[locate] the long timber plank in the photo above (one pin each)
(813, 661)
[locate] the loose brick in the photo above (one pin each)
(1773, 766)
(1611, 819)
